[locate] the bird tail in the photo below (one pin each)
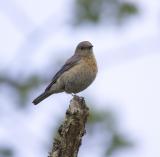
(41, 97)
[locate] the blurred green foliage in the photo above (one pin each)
(22, 87)
(109, 11)
(6, 152)
(118, 141)
(107, 122)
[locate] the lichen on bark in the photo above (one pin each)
(70, 133)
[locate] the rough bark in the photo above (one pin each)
(70, 133)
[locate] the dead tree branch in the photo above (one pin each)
(70, 133)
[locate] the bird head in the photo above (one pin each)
(84, 48)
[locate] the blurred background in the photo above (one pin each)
(38, 36)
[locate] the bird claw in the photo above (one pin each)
(74, 95)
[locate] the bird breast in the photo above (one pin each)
(80, 76)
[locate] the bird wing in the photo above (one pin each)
(69, 64)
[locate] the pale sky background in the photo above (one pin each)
(129, 72)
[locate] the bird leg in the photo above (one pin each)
(73, 94)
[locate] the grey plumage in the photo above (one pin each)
(41, 97)
(69, 64)
(75, 75)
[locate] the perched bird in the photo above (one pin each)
(76, 74)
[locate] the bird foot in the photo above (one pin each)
(77, 97)
(74, 95)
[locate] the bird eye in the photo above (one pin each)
(82, 48)
(90, 48)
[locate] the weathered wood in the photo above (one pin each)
(70, 133)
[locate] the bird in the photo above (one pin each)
(76, 74)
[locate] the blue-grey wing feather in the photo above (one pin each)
(69, 64)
